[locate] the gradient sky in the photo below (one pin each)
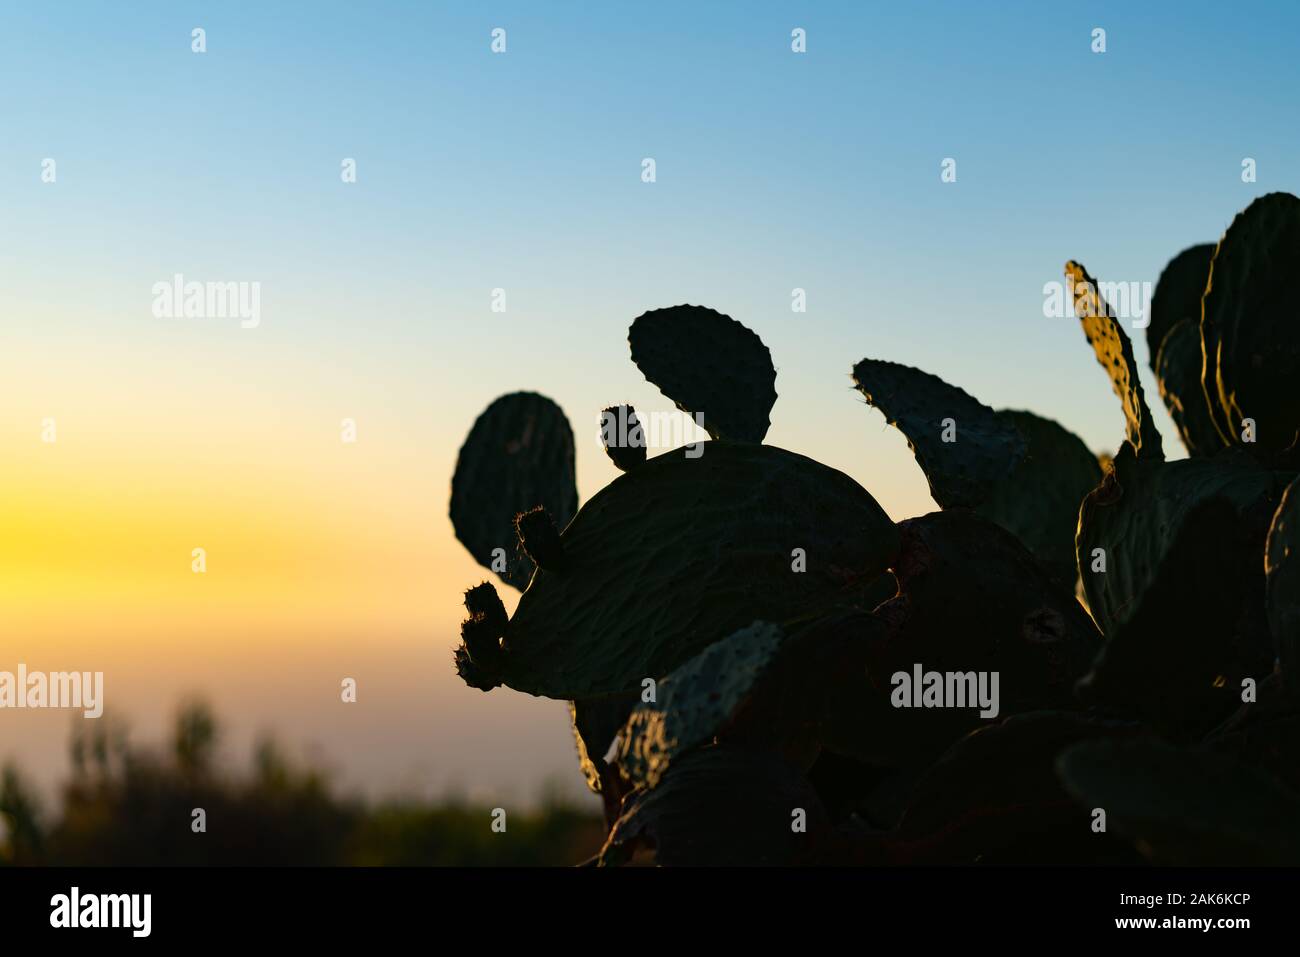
(522, 171)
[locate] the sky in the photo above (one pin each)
(522, 171)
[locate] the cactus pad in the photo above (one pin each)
(971, 599)
(681, 552)
(723, 805)
(518, 455)
(1250, 325)
(1114, 351)
(695, 700)
(963, 459)
(1178, 296)
(1138, 510)
(1182, 806)
(994, 798)
(623, 437)
(596, 722)
(708, 364)
(1039, 502)
(1178, 374)
(1178, 661)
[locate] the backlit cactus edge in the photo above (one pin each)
(1155, 717)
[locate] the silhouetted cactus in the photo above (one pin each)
(708, 364)
(1174, 347)
(1250, 326)
(540, 539)
(623, 437)
(1178, 295)
(518, 455)
(1178, 374)
(682, 551)
(735, 622)
(1114, 352)
(962, 446)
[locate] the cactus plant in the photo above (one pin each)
(695, 700)
(680, 552)
(1039, 501)
(1178, 663)
(1174, 347)
(709, 365)
(994, 797)
(734, 622)
(1178, 375)
(962, 446)
(1178, 295)
(1250, 332)
(1129, 523)
(1114, 352)
(693, 817)
(1030, 631)
(623, 437)
(518, 455)
(1185, 806)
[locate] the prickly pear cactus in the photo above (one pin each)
(1174, 347)
(681, 552)
(1282, 566)
(1039, 501)
(1178, 374)
(994, 798)
(1178, 296)
(649, 609)
(708, 364)
(964, 448)
(518, 455)
(695, 701)
(623, 437)
(596, 722)
(1114, 351)
(1184, 806)
(1129, 523)
(1178, 662)
(694, 818)
(1030, 631)
(1250, 326)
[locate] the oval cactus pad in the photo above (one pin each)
(1178, 295)
(518, 455)
(708, 364)
(1250, 325)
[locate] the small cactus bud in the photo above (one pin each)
(483, 601)
(481, 640)
(540, 538)
(620, 430)
(472, 674)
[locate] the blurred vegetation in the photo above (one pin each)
(129, 806)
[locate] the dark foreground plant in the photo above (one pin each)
(737, 626)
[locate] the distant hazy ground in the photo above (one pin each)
(415, 729)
